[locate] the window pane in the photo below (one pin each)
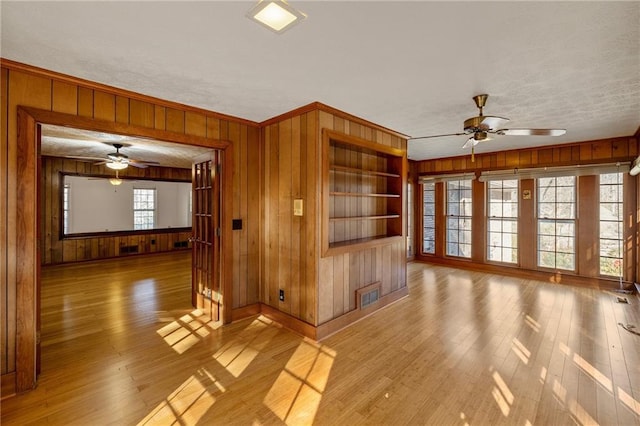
(144, 208)
(565, 194)
(495, 225)
(453, 209)
(429, 210)
(459, 212)
(611, 226)
(547, 243)
(611, 248)
(556, 225)
(565, 261)
(502, 223)
(610, 266)
(546, 210)
(546, 227)
(565, 210)
(429, 218)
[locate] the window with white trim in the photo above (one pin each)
(556, 210)
(410, 250)
(65, 208)
(144, 208)
(611, 232)
(459, 212)
(502, 220)
(429, 217)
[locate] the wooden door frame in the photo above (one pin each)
(28, 220)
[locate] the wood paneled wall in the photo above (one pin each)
(32, 87)
(317, 290)
(605, 151)
(291, 171)
(54, 250)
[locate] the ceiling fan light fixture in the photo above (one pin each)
(635, 167)
(276, 15)
(116, 165)
(115, 181)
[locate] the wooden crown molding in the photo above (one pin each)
(478, 165)
(65, 78)
(318, 106)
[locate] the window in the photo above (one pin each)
(502, 221)
(429, 217)
(556, 222)
(459, 218)
(65, 208)
(611, 224)
(410, 219)
(144, 208)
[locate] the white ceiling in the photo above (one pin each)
(409, 66)
(57, 141)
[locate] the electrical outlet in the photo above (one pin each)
(282, 295)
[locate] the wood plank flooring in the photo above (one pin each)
(122, 346)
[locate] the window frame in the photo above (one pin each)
(463, 232)
(153, 210)
(573, 221)
(514, 220)
(432, 184)
(66, 211)
(620, 231)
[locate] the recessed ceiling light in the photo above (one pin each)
(276, 15)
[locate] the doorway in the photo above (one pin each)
(28, 273)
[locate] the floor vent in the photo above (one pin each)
(622, 299)
(128, 249)
(368, 295)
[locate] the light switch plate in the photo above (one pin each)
(297, 207)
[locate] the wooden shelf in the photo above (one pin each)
(355, 170)
(360, 194)
(361, 244)
(363, 190)
(387, 216)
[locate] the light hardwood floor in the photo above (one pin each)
(121, 345)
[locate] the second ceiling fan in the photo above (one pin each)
(118, 161)
(481, 127)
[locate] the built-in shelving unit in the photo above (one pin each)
(363, 193)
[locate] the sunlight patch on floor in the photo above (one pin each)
(579, 414)
(296, 394)
(629, 401)
(238, 354)
(593, 372)
(520, 350)
(535, 325)
(502, 394)
(183, 333)
(188, 403)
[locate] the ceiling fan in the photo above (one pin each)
(483, 126)
(118, 161)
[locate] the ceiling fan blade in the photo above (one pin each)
(143, 164)
(492, 122)
(470, 142)
(84, 158)
(437, 136)
(532, 132)
(138, 164)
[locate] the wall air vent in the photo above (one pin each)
(368, 295)
(128, 249)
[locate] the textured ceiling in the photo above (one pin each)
(409, 66)
(92, 146)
